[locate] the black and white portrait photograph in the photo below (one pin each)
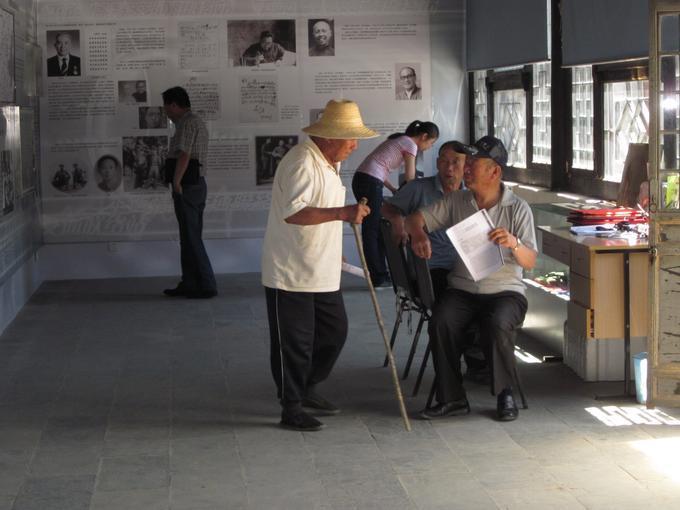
(152, 117)
(143, 161)
(69, 177)
(408, 82)
(108, 173)
(131, 91)
(320, 37)
(65, 57)
(261, 43)
(269, 150)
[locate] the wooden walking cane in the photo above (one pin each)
(381, 324)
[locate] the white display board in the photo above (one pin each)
(105, 107)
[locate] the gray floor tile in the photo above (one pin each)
(208, 496)
(147, 499)
(139, 437)
(535, 499)
(12, 478)
(13, 470)
(306, 494)
(133, 472)
(442, 490)
(56, 493)
(66, 460)
(607, 497)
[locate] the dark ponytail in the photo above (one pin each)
(417, 128)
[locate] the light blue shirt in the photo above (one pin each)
(420, 193)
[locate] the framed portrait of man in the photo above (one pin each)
(408, 86)
(320, 37)
(64, 60)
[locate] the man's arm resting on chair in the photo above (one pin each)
(396, 218)
(420, 242)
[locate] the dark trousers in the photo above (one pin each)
(439, 282)
(307, 332)
(197, 273)
(474, 358)
(366, 186)
(498, 315)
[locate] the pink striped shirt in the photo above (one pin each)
(388, 156)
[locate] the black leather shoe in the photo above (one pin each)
(453, 408)
(201, 294)
(315, 401)
(176, 292)
(506, 408)
(299, 420)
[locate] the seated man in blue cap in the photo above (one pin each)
(421, 192)
(497, 303)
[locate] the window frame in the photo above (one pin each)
(537, 174)
(591, 182)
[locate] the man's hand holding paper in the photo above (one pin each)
(478, 244)
(502, 237)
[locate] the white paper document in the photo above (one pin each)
(470, 237)
(352, 269)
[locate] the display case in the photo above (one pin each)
(550, 274)
(547, 287)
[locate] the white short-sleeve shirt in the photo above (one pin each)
(303, 258)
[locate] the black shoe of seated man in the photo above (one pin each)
(454, 408)
(506, 406)
(315, 401)
(176, 292)
(297, 419)
(201, 294)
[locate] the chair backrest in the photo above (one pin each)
(423, 279)
(402, 281)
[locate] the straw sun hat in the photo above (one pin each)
(340, 120)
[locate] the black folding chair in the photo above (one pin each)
(426, 299)
(405, 288)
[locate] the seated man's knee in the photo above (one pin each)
(502, 332)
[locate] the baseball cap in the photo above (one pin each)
(488, 147)
(454, 145)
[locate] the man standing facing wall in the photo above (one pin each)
(189, 147)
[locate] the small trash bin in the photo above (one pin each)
(640, 368)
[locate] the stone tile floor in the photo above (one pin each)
(114, 397)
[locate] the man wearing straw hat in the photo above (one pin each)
(301, 261)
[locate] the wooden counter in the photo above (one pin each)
(596, 296)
